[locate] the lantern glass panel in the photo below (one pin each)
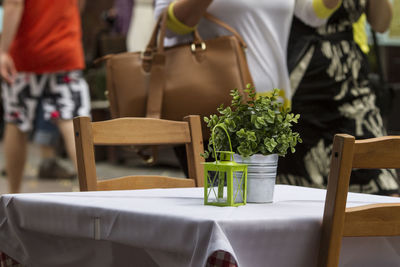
(217, 190)
(225, 185)
(238, 186)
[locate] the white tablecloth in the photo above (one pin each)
(172, 227)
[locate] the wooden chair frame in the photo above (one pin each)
(137, 131)
(367, 220)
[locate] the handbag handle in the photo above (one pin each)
(161, 26)
(156, 42)
(227, 27)
(158, 31)
(155, 62)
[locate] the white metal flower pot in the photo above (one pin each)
(261, 176)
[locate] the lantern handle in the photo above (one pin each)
(213, 133)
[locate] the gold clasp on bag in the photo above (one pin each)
(146, 56)
(194, 46)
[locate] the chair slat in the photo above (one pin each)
(194, 149)
(338, 182)
(85, 154)
(373, 220)
(377, 153)
(140, 131)
(144, 182)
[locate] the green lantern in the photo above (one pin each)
(225, 181)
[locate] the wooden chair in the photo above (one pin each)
(367, 220)
(137, 131)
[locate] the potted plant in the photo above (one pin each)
(260, 129)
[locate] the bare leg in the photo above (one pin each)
(67, 130)
(15, 151)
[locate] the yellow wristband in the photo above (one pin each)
(175, 25)
(322, 11)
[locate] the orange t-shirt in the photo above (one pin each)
(48, 37)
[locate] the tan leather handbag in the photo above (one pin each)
(173, 82)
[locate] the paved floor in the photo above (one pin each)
(167, 165)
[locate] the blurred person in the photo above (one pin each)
(1, 108)
(46, 136)
(264, 26)
(113, 38)
(41, 57)
(121, 15)
(333, 95)
(141, 26)
(1, 19)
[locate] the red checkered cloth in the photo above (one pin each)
(221, 258)
(6, 261)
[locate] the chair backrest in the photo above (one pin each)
(137, 131)
(367, 220)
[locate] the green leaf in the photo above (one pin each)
(205, 155)
(258, 125)
(261, 121)
(251, 136)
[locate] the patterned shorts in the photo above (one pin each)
(63, 95)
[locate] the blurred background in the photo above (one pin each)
(108, 27)
(111, 27)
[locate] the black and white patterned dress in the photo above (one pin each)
(332, 95)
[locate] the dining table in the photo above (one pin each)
(173, 227)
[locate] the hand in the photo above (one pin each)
(331, 4)
(189, 12)
(379, 14)
(7, 68)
